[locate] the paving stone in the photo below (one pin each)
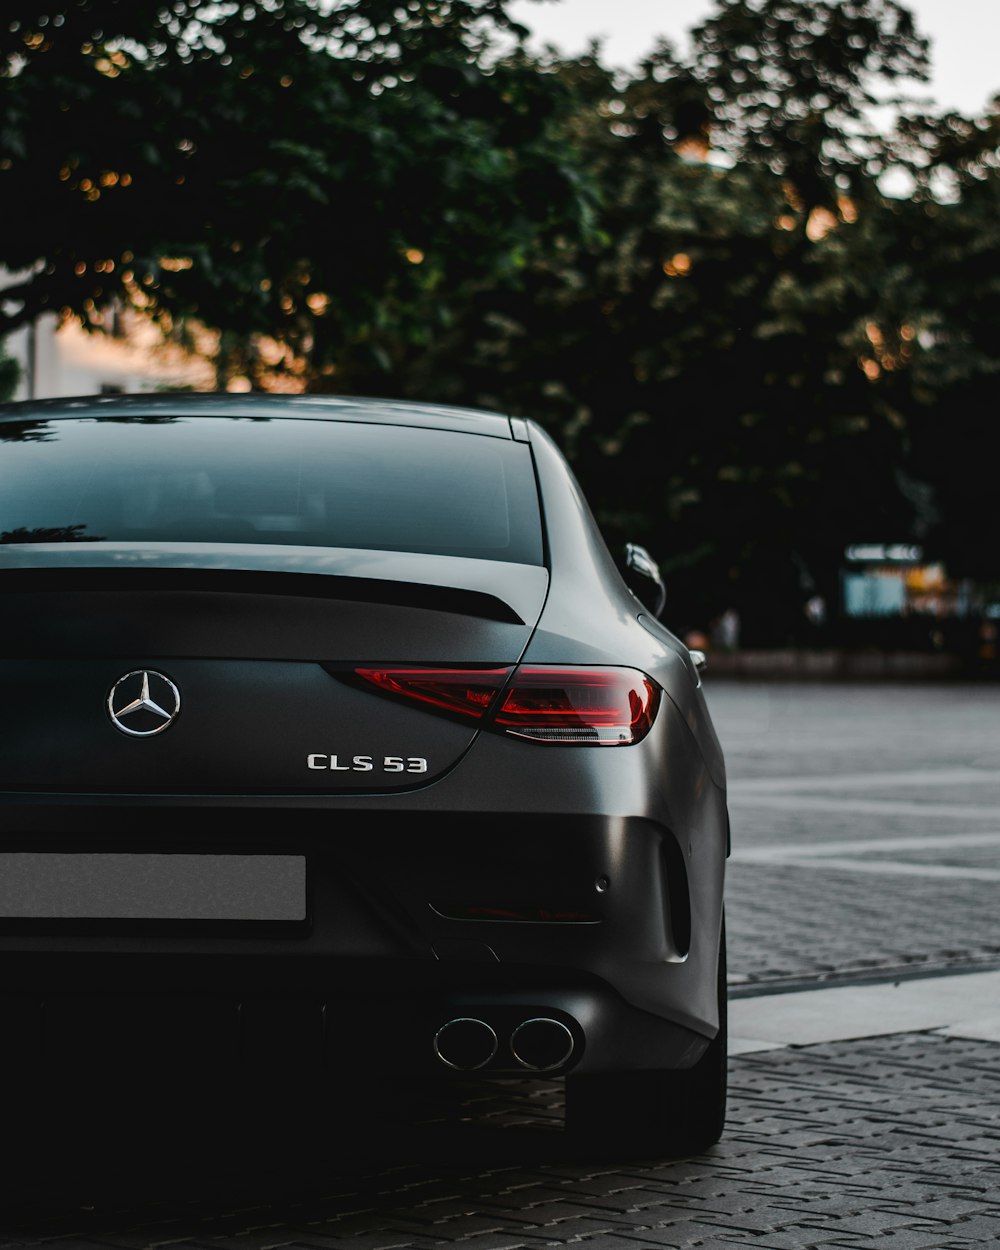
(814, 1156)
(797, 1239)
(878, 1180)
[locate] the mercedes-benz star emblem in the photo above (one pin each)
(143, 703)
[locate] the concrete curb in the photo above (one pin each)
(834, 665)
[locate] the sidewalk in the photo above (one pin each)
(966, 1005)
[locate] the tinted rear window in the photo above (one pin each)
(295, 483)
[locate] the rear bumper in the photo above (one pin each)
(603, 925)
(381, 1027)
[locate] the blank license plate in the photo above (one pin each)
(44, 885)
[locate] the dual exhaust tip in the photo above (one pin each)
(538, 1044)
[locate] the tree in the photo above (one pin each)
(330, 176)
(949, 230)
(706, 354)
(10, 372)
(793, 87)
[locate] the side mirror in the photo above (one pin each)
(642, 576)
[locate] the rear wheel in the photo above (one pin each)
(663, 1111)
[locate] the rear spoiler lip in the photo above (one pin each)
(490, 589)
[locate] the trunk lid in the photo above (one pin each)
(259, 647)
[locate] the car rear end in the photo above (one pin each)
(336, 743)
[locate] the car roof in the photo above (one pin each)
(263, 407)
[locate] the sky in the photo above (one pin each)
(964, 35)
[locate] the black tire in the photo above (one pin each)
(662, 1112)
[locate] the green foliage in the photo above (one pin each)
(754, 358)
(792, 86)
(332, 176)
(948, 237)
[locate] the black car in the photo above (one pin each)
(334, 738)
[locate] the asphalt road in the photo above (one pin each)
(865, 1065)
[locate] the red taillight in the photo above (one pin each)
(466, 691)
(544, 703)
(596, 706)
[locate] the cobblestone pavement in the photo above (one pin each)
(866, 824)
(893, 1142)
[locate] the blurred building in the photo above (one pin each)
(894, 597)
(58, 359)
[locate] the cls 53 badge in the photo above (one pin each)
(367, 763)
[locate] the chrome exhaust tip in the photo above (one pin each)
(541, 1044)
(465, 1043)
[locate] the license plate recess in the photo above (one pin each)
(157, 887)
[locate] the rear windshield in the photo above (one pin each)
(290, 482)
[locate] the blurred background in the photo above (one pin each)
(741, 257)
